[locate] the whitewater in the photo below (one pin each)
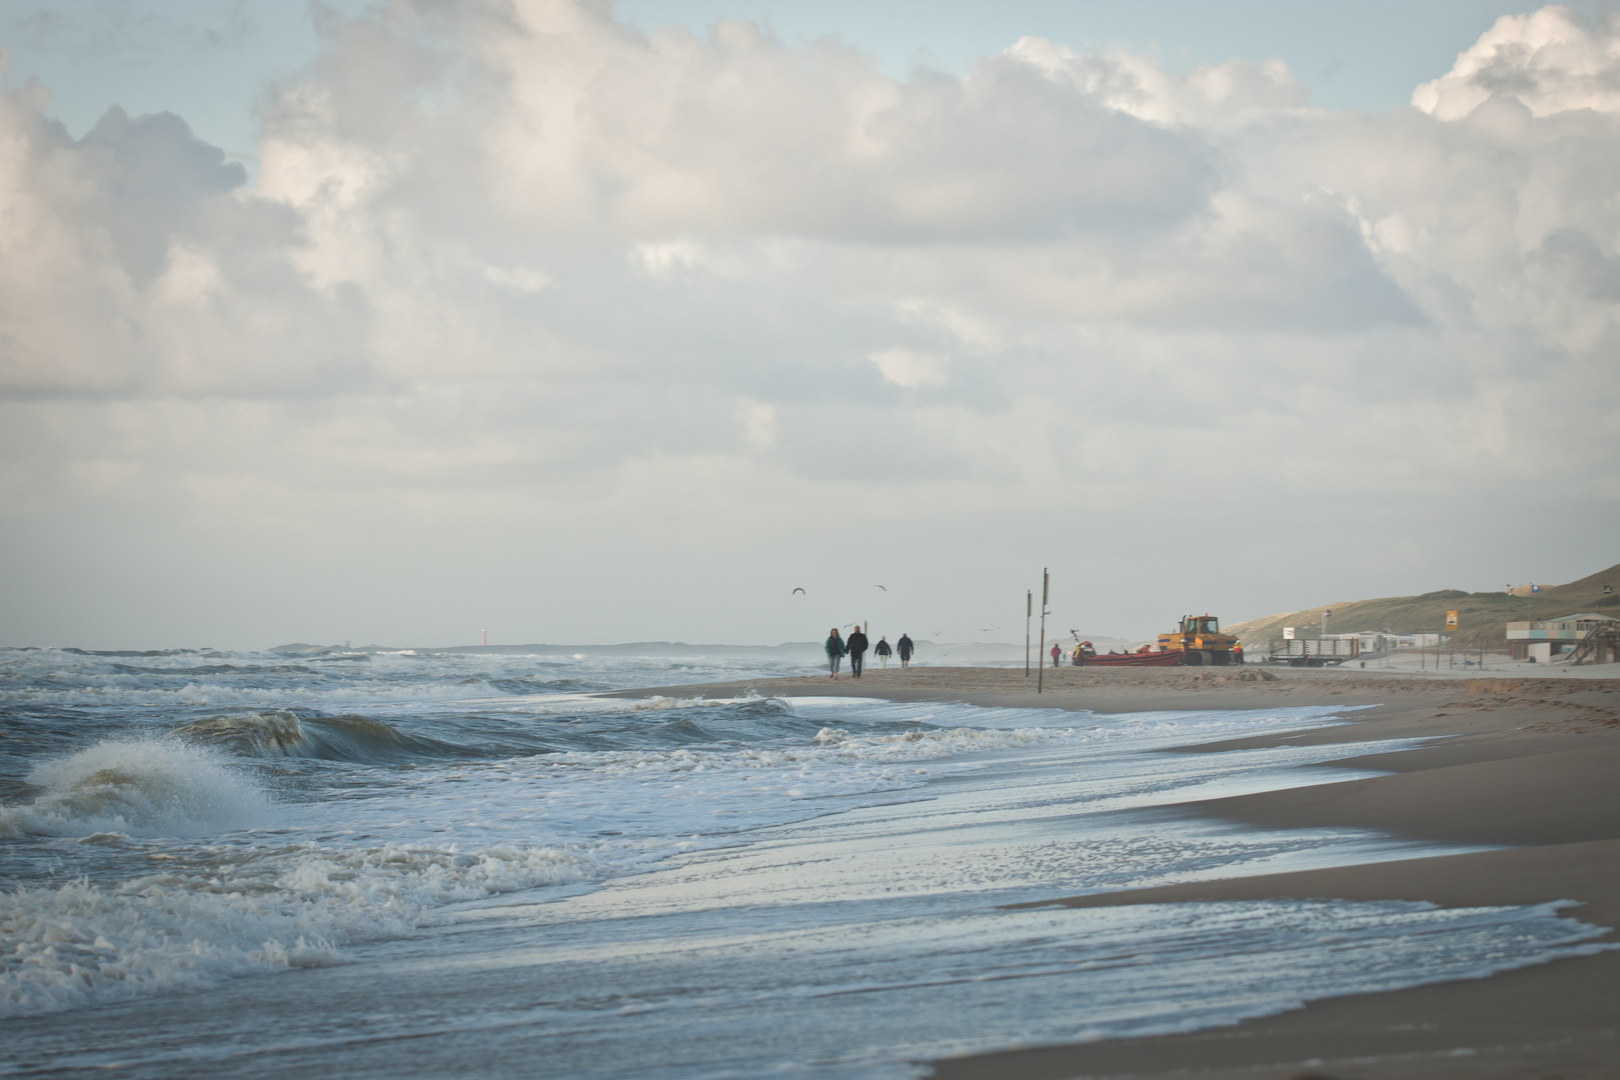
(429, 864)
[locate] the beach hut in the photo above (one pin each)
(1541, 641)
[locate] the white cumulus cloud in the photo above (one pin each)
(1549, 61)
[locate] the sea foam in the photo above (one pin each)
(222, 914)
(144, 787)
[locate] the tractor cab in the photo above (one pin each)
(1199, 641)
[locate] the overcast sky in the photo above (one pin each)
(397, 322)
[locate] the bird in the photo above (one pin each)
(885, 588)
(988, 629)
(798, 589)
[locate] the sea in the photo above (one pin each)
(431, 864)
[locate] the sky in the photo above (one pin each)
(585, 323)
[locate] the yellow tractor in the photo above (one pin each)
(1200, 641)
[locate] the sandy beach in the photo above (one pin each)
(1529, 764)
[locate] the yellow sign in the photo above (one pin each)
(1451, 620)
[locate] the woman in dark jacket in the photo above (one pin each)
(882, 650)
(835, 651)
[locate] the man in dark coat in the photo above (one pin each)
(855, 646)
(904, 647)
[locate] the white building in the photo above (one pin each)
(1377, 641)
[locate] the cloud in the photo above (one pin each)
(525, 270)
(759, 422)
(1212, 96)
(1549, 61)
(129, 266)
(907, 368)
(566, 120)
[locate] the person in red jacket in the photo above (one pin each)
(1057, 654)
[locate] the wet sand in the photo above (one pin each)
(1532, 763)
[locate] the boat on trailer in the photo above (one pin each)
(1085, 657)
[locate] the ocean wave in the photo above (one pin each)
(72, 677)
(145, 787)
(81, 944)
(279, 733)
(828, 746)
(108, 691)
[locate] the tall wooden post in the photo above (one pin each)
(1046, 585)
(1029, 609)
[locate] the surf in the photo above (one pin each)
(282, 733)
(141, 787)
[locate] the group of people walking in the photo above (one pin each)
(855, 647)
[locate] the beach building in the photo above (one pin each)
(1378, 643)
(1541, 641)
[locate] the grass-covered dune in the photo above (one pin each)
(1483, 616)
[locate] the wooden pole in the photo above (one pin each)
(1029, 610)
(1046, 586)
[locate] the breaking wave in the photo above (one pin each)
(146, 787)
(330, 738)
(82, 944)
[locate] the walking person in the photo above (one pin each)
(856, 647)
(835, 651)
(1057, 654)
(904, 646)
(882, 651)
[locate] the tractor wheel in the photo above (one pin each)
(1192, 657)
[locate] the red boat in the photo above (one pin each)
(1085, 657)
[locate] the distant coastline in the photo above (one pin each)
(984, 652)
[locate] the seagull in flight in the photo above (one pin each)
(885, 588)
(799, 590)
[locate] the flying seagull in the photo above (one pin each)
(885, 588)
(798, 590)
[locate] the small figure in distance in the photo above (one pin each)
(835, 651)
(856, 647)
(1057, 654)
(882, 650)
(904, 646)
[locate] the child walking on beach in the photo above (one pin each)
(882, 650)
(835, 651)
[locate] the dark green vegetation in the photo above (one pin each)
(1482, 616)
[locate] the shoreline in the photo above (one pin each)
(1531, 766)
